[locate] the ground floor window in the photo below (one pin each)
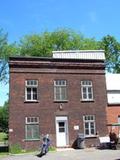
(32, 128)
(89, 125)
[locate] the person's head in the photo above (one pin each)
(47, 135)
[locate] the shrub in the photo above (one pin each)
(15, 149)
(51, 148)
(3, 136)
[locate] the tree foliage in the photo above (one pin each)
(61, 39)
(6, 50)
(112, 52)
(4, 117)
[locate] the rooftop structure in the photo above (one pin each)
(80, 54)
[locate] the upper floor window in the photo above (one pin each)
(60, 90)
(89, 125)
(87, 90)
(31, 87)
(32, 128)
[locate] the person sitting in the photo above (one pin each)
(45, 144)
(113, 140)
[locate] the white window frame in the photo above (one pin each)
(89, 119)
(87, 84)
(31, 121)
(31, 84)
(60, 84)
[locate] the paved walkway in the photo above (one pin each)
(85, 154)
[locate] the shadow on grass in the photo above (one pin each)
(40, 155)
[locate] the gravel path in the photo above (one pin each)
(85, 154)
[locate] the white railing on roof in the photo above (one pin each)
(80, 54)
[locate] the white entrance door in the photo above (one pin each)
(61, 131)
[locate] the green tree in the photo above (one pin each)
(6, 50)
(112, 52)
(60, 39)
(4, 117)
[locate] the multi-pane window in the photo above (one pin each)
(32, 128)
(87, 90)
(60, 90)
(31, 87)
(89, 125)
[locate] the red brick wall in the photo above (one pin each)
(113, 111)
(46, 109)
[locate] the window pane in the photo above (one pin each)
(92, 124)
(61, 124)
(32, 82)
(89, 89)
(63, 93)
(84, 90)
(32, 131)
(86, 125)
(28, 132)
(61, 129)
(34, 93)
(89, 92)
(28, 93)
(57, 93)
(35, 132)
(92, 131)
(87, 131)
(84, 93)
(84, 96)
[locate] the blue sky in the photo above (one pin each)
(93, 18)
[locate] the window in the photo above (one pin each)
(118, 118)
(89, 125)
(32, 128)
(31, 90)
(60, 90)
(87, 90)
(61, 126)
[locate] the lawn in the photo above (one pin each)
(3, 136)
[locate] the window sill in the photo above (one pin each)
(87, 101)
(93, 136)
(60, 101)
(31, 101)
(31, 139)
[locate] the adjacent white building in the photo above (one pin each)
(113, 88)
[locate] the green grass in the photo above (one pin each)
(51, 148)
(3, 136)
(3, 154)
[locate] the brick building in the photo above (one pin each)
(113, 96)
(61, 96)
